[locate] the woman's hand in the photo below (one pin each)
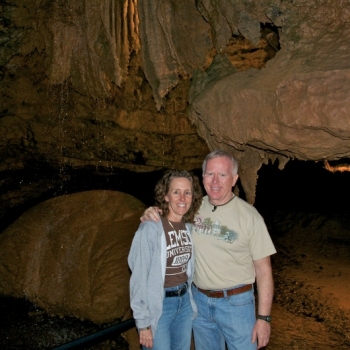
(151, 213)
(146, 338)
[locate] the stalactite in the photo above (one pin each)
(120, 20)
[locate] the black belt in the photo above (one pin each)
(177, 292)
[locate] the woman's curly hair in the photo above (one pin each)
(162, 189)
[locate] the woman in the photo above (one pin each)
(161, 259)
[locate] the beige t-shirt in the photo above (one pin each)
(226, 242)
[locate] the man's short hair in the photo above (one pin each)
(220, 153)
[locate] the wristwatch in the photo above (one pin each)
(265, 318)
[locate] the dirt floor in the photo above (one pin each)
(312, 295)
(312, 278)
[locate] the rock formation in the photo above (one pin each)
(68, 255)
(295, 107)
(145, 85)
(142, 85)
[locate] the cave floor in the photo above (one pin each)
(311, 308)
(310, 311)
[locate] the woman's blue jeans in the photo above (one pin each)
(174, 329)
(221, 320)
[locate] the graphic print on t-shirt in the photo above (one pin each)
(205, 226)
(179, 252)
(179, 248)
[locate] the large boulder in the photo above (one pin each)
(68, 255)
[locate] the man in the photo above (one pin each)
(232, 249)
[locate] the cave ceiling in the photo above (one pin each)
(145, 85)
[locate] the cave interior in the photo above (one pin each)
(106, 95)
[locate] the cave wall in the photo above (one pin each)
(75, 95)
(145, 85)
(74, 91)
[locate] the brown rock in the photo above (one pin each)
(68, 255)
(107, 83)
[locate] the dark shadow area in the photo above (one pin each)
(37, 183)
(24, 326)
(303, 186)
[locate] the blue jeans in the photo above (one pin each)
(221, 320)
(174, 329)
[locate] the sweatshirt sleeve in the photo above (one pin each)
(139, 261)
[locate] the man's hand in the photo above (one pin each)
(264, 282)
(146, 338)
(151, 213)
(261, 333)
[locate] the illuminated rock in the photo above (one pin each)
(68, 255)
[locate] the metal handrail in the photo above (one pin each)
(97, 336)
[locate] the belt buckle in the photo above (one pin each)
(180, 291)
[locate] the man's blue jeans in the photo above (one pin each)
(229, 319)
(174, 329)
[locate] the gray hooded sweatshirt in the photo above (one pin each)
(147, 261)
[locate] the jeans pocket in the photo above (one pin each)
(241, 299)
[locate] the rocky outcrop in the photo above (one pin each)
(297, 106)
(68, 255)
(175, 41)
